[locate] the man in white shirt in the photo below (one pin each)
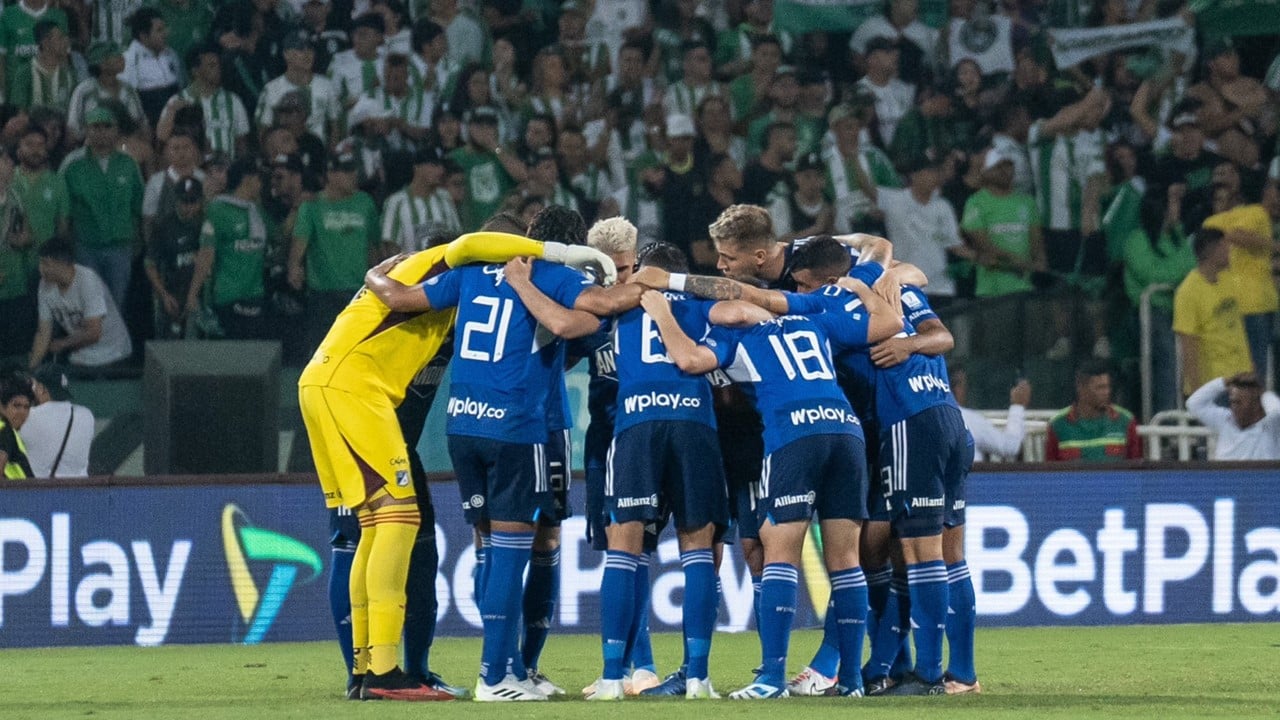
(150, 65)
(1247, 430)
(298, 77)
(900, 21)
(76, 298)
(987, 438)
(58, 433)
(893, 97)
(922, 225)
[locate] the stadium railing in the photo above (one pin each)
(1171, 435)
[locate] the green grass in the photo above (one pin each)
(1153, 671)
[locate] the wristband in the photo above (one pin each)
(554, 252)
(676, 281)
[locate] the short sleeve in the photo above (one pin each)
(845, 330)
(805, 303)
(444, 289)
(560, 283)
(44, 310)
(973, 219)
(915, 305)
(1185, 320)
(723, 342)
(304, 227)
(868, 272)
(93, 293)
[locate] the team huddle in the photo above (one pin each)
(806, 382)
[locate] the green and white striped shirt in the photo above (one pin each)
(409, 221)
(1060, 167)
(683, 98)
(415, 109)
(41, 87)
(90, 94)
(111, 20)
(225, 118)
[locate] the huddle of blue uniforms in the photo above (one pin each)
(602, 401)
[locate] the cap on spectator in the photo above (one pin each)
(679, 125)
(100, 51)
(483, 114)
(291, 101)
(881, 43)
(366, 108)
(238, 171)
(371, 20)
(296, 40)
(995, 157)
(101, 116)
(1218, 46)
(841, 112)
(55, 382)
(291, 162)
(189, 190)
(810, 161)
(429, 155)
(344, 161)
(1183, 120)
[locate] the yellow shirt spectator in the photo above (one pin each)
(1210, 313)
(1250, 270)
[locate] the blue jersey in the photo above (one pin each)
(650, 386)
(559, 414)
(602, 391)
(501, 377)
(915, 306)
(906, 389)
(787, 362)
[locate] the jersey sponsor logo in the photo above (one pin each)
(244, 544)
(630, 502)
(927, 383)
(341, 221)
(670, 401)
(814, 415)
(917, 502)
(476, 409)
(957, 505)
(785, 500)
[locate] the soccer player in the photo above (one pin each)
(348, 394)
(815, 459)
(664, 460)
(497, 423)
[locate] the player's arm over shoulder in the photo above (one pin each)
(394, 294)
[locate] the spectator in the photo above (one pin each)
(900, 24)
(733, 46)
(432, 69)
(893, 97)
(1010, 141)
(552, 91)
(678, 183)
(696, 81)
(293, 116)
(989, 440)
(232, 257)
(18, 44)
(1227, 98)
(58, 433)
(491, 170)
(150, 65)
(355, 72)
(75, 298)
(410, 108)
(803, 211)
(370, 123)
(922, 226)
(1207, 317)
(613, 21)
(1159, 252)
(973, 33)
(678, 25)
(17, 266)
(544, 181)
(1092, 429)
(1186, 162)
(335, 239)
(171, 256)
(856, 168)
(587, 180)
(16, 399)
(769, 173)
(784, 98)
(49, 79)
(1004, 226)
(397, 37)
(104, 84)
(327, 39)
(183, 154)
(467, 38)
(322, 112)
(224, 122)
(1249, 427)
(749, 92)
(724, 181)
(188, 22)
(42, 191)
(105, 188)
(422, 209)
(473, 91)
(111, 21)
(1247, 230)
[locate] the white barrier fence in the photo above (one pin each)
(1171, 435)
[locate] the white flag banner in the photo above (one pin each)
(1073, 46)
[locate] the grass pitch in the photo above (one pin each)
(1153, 671)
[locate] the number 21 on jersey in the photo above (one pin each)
(478, 336)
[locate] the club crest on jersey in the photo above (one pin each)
(475, 502)
(402, 478)
(499, 273)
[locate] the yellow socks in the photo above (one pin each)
(385, 572)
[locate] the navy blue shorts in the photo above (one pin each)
(666, 468)
(826, 474)
(560, 474)
(597, 518)
(501, 481)
(344, 529)
(922, 464)
(955, 494)
(743, 453)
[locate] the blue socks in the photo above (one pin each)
(540, 597)
(849, 609)
(827, 660)
(892, 632)
(420, 602)
(340, 601)
(877, 597)
(639, 649)
(700, 607)
(777, 608)
(481, 573)
(928, 586)
(500, 602)
(617, 599)
(961, 619)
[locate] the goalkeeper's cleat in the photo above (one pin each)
(434, 680)
(673, 685)
(545, 686)
(876, 687)
(810, 682)
(354, 682)
(700, 689)
(960, 687)
(842, 691)
(509, 689)
(607, 690)
(396, 685)
(912, 684)
(759, 691)
(640, 681)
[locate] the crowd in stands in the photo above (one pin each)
(230, 168)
